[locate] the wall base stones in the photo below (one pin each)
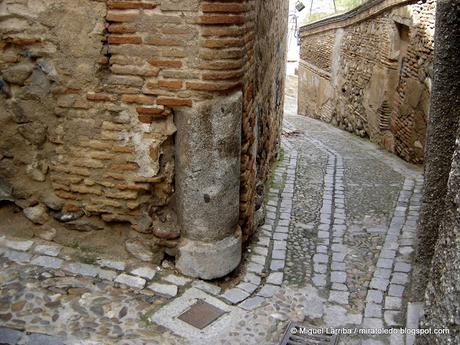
(210, 260)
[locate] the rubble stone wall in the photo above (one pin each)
(442, 280)
(90, 89)
(369, 72)
(438, 232)
(263, 102)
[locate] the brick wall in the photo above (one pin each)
(90, 90)
(263, 103)
(369, 72)
(409, 118)
(317, 50)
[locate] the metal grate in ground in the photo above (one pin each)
(201, 314)
(297, 334)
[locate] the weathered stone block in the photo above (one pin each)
(209, 260)
(131, 281)
(167, 290)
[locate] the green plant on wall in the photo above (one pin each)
(338, 7)
(317, 16)
(347, 5)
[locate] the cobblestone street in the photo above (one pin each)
(335, 251)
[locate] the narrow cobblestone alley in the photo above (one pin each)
(335, 251)
(229, 172)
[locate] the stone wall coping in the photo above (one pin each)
(367, 10)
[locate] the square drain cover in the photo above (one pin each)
(297, 334)
(201, 314)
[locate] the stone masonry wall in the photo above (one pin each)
(442, 304)
(318, 49)
(369, 72)
(409, 117)
(90, 89)
(263, 105)
(438, 231)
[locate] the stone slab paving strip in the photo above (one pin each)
(112, 264)
(144, 272)
(167, 290)
(131, 281)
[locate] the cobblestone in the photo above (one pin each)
(19, 245)
(16, 256)
(177, 280)
(81, 269)
(268, 290)
(131, 281)
(252, 303)
(210, 288)
(255, 268)
(338, 277)
(106, 274)
(393, 318)
(163, 289)
(46, 261)
(248, 287)
(340, 297)
(373, 310)
(275, 278)
(235, 295)
(144, 272)
(277, 265)
(375, 296)
(396, 290)
(50, 250)
(402, 267)
(116, 265)
(394, 303)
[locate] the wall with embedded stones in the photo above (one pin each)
(436, 275)
(439, 245)
(263, 102)
(90, 88)
(369, 72)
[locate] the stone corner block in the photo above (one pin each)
(210, 260)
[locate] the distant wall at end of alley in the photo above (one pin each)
(369, 72)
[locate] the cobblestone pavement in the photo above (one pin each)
(335, 251)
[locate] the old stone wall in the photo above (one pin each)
(438, 232)
(318, 50)
(262, 105)
(442, 304)
(369, 72)
(90, 89)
